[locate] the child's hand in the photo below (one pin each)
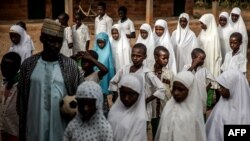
(86, 55)
(166, 81)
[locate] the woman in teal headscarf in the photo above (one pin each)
(103, 48)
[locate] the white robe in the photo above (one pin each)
(165, 41)
(183, 121)
(67, 39)
(210, 42)
(80, 37)
(234, 110)
(184, 41)
(239, 26)
(238, 61)
(120, 48)
(103, 25)
(151, 83)
(149, 43)
(225, 33)
(129, 124)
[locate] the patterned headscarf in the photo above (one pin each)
(90, 89)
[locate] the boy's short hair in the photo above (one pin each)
(102, 4)
(22, 24)
(93, 54)
(237, 35)
(65, 15)
(196, 51)
(142, 47)
(80, 14)
(123, 9)
(160, 48)
(16, 58)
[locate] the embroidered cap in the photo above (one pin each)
(52, 28)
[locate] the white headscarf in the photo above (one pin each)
(210, 43)
(97, 127)
(25, 46)
(183, 121)
(120, 48)
(129, 124)
(149, 43)
(224, 33)
(239, 26)
(234, 110)
(184, 41)
(165, 41)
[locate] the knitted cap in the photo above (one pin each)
(52, 28)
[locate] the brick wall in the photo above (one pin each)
(18, 9)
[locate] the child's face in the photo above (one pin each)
(179, 92)
(78, 20)
(222, 21)
(128, 96)
(115, 34)
(137, 56)
(144, 34)
(86, 107)
(101, 43)
(234, 17)
(201, 58)
(162, 58)
(203, 26)
(62, 20)
(159, 30)
(8, 69)
(234, 43)
(100, 10)
(183, 22)
(122, 15)
(85, 64)
(224, 92)
(15, 38)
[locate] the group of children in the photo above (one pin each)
(168, 82)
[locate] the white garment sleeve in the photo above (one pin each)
(109, 25)
(155, 83)
(69, 36)
(87, 34)
(131, 27)
(113, 84)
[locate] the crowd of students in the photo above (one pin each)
(185, 87)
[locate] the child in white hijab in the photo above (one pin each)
(21, 42)
(184, 41)
(182, 118)
(225, 30)
(120, 47)
(239, 26)
(233, 105)
(210, 42)
(162, 38)
(89, 123)
(127, 116)
(146, 37)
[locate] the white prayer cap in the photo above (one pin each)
(236, 10)
(185, 77)
(131, 81)
(224, 14)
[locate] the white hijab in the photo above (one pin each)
(210, 42)
(183, 121)
(225, 33)
(129, 124)
(239, 26)
(25, 46)
(120, 48)
(149, 43)
(184, 41)
(165, 41)
(234, 110)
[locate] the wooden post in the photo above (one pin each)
(149, 11)
(69, 10)
(215, 8)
